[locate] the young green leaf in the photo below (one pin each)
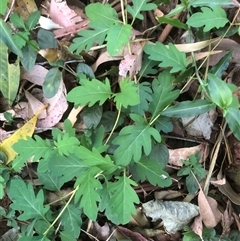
(71, 220)
(17, 21)
(6, 37)
(210, 18)
(89, 37)
(151, 170)
(168, 56)
(189, 108)
(3, 6)
(138, 7)
(33, 20)
(134, 139)
(162, 96)
(87, 192)
(144, 93)
(233, 120)
(101, 13)
(123, 198)
(127, 96)
(25, 200)
(213, 3)
(90, 92)
(219, 91)
(92, 116)
(52, 82)
(118, 35)
(66, 144)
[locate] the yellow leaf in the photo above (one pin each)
(22, 133)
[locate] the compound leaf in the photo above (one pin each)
(127, 96)
(138, 7)
(210, 18)
(151, 170)
(123, 198)
(87, 192)
(168, 56)
(90, 92)
(134, 139)
(25, 200)
(118, 35)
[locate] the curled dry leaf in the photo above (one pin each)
(100, 232)
(175, 215)
(197, 226)
(167, 194)
(176, 155)
(209, 211)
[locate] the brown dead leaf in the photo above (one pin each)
(167, 194)
(227, 220)
(197, 226)
(208, 209)
(134, 236)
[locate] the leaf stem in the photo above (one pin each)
(115, 124)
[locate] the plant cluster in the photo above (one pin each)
(121, 147)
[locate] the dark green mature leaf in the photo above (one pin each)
(88, 37)
(118, 35)
(128, 95)
(189, 108)
(138, 7)
(133, 140)
(71, 220)
(200, 3)
(123, 198)
(219, 91)
(101, 13)
(210, 18)
(233, 120)
(94, 158)
(85, 69)
(29, 56)
(174, 22)
(144, 93)
(162, 96)
(34, 238)
(52, 82)
(168, 56)
(151, 170)
(87, 192)
(73, 164)
(90, 92)
(66, 144)
(6, 37)
(25, 200)
(160, 153)
(92, 116)
(148, 67)
(163, 123)
(46, 39)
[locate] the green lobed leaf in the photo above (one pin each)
(92, 116)
(148, 67)
(151, 170)
(2, 187)
(101, 13)
(168, 56)
(219, 91)
(144, 93)
(6, 37)
(160, 153)
(189, 108)
(117, 36)
(209, 18)
(233, 120)
(17, 21)
(89, 37)
(33, 19)
(163, 94)
(10, 75)
(87, 192)
(66, 144)
(128, 95)
(174, 22)
(200, 3)
(163, 123)
(21, 38)
(52, 82)
(93, 158)
(133, 140)
(71, 220)
(138, 7)
(24, 199)
(123, 198)
(90, 92)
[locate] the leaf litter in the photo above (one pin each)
(135, 141)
